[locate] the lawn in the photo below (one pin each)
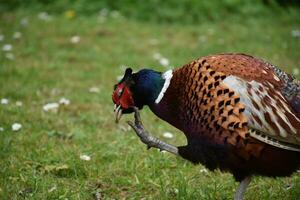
(75, 150)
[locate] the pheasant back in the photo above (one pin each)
(239, 100)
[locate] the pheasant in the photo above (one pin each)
(239, 114)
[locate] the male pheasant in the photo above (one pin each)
(239, 113)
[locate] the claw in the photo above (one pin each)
(147, 138)
(118, 113)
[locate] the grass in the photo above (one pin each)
(42, 160)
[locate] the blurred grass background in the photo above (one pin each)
(77, 50)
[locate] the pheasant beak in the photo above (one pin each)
(118, 112)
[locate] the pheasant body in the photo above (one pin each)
(238, 113)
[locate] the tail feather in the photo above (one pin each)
(290, 89)
(295, 103)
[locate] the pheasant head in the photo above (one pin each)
(136, 90)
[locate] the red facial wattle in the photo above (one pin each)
(123, 97)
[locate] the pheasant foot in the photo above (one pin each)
(147, 138)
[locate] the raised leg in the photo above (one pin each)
(149, 139)
(242, 188)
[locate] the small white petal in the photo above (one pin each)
(7, 47)
(17, 35)
(64, 101)
(19, 103)
(16, 127)
(164, 62)
(295, 33)
(44, 16)
(51, 107)
(4, 101)
(75, 39)
(168, 135)
(1, 37)
(1, 129)
(85, 157)
(10, 56)
(203, 171)
(94, 90)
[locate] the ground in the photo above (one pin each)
(76, 151)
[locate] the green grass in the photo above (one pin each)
(41, 161)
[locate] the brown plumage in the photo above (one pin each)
(213, 112)
(239, 113)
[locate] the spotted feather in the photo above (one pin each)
(266, 93)
(228, 101)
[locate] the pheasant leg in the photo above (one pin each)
(242, 188)
(149, 139)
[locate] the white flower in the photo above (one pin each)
(168, 135)
(1, 129)
(10, 56)
(7, 47)
(162, 151)
(85, 157)
(75, 39)
(94, 90)
(51, 107)
(295, 33)
(1, 37)
(4, 101)
(157, 56)
(44, 16)
(203, 171)
(296, 71)
(64, 101)
(17, 35)
(16, 127)
(19, 103)
(164, 62)
(24, 22)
